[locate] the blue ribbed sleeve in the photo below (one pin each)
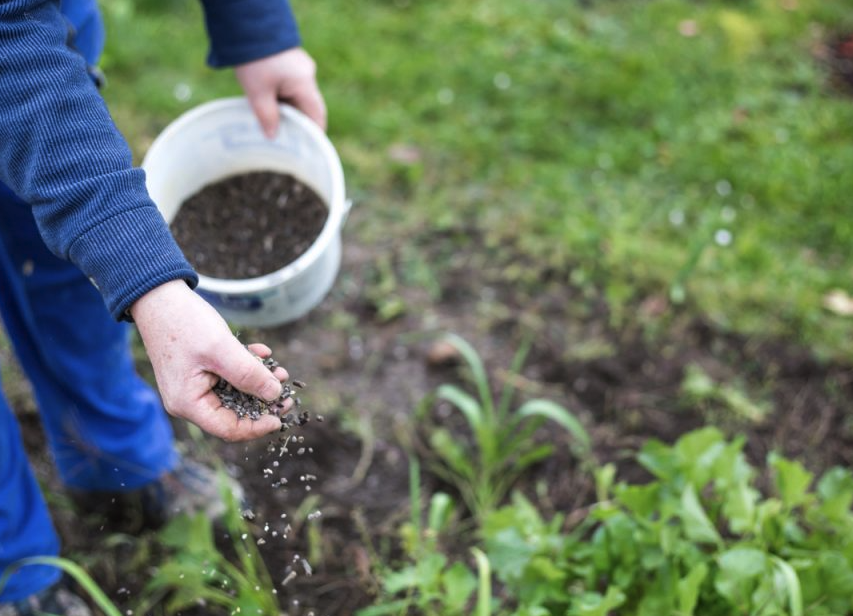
(61, 152)
(245, 30)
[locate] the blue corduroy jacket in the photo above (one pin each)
(61, 152)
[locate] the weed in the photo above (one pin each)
(431, 584)
(197, 573)
(501, 447)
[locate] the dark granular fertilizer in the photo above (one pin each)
(246, 405)
(249, 225)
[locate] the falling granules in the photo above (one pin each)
(247, 405)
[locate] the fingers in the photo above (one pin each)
(259, 349)
(246, 373)
(263, 351)
(215, 419)
(265, 105)
(310, 102)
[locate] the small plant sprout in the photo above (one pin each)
(502, 446)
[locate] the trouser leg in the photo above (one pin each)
(25, 526)
(106, 427)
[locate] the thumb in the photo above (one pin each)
(265, 106)
(245, 372)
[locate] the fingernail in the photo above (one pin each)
(272, 390)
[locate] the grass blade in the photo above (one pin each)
(469, 407)
(553, 411)
(75, 571)
(415, 497)
(514, 369)
(478, 371)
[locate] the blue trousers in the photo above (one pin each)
(105, 427)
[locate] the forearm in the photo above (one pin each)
(241, 31)
(61, 152)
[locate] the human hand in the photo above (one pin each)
(290, 76)
(190, 347)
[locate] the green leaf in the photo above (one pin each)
(459, 583)
(514, 369)
(835, 490)
(604, 477)
(532, 457)
(697, 525)
(469, 407)
(640, 500)
(478, 371)
(440, 512)
(689, 587)
(659, 459)
(560, 415)
(739, 570)
(71, 568)
(698, 452)
(453, 454)
(792, 480)
(593, 604)
(484, 584)
(739, 507)
(791, 584)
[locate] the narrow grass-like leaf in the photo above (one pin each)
(470, 408)
(562, 416)
(415, 496)
(440, 510)
(71, 568)
(514, 369)
(484, 584)
(533, 456)
(478, 371)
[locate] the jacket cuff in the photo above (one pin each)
(128, 255)
(241, 31)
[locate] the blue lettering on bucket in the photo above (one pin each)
(243, 303)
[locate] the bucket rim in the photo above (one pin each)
(337, 203)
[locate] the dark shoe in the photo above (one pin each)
(189, 488)
(57, 600)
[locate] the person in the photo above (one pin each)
(83, 250)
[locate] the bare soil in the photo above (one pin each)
(248, 225)
(367, 376)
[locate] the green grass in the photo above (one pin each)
(576, 133)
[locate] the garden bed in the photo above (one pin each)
(658, 374)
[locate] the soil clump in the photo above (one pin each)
(249, 225)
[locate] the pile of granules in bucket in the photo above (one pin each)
(247, 405)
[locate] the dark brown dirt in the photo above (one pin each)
(368, 375)
(249, 225)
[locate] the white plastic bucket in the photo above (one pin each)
(223, 138)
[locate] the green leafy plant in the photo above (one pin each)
(699, 388)
(698, 540)
(196, 572)
(484, 468)
(431, 583)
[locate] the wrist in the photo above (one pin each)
(160, 296)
